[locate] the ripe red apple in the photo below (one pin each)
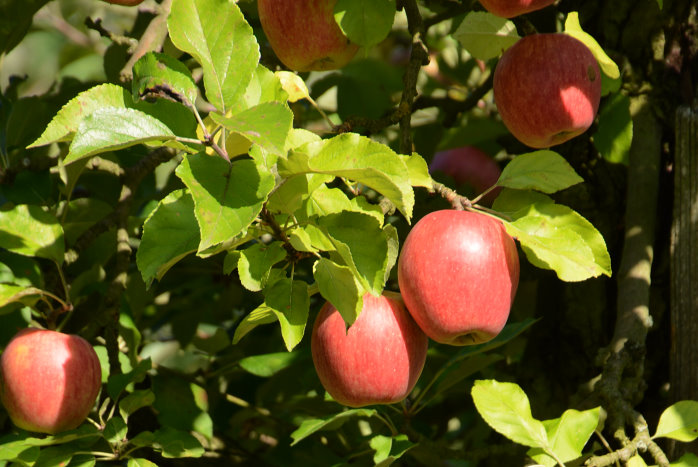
(49, 381)
(377, 361)
(304, 34)
(470, 166)
(511, 8)
(547, 89)
(458, 272)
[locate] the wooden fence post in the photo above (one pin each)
(684, 261)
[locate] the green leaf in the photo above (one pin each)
(615, 130)
(365, 22)
(113, 128)
(227, 197)
(687, 460)
(256, 261)
(25, 448)
(266, 125)
(545, 171)
(568, 435)
(338, 286)
(169, 234)
(486, 36)
(260, 315)
(216, 34)
(356, 158)
(330, 422)
(265, 86)
(268, 364)
(389, 449)
(293, 85)
(115, 430)
(160, 75)
(661, 4)
(66, 122)
(118, 382)
(176, 443)
(554, 236)
(362, 245)
(574, 29)
(290, 302)
(31, 231)
(10, 293)
(140, 462)
(418, 171)
(679, 422)
(505, 407)
(134, 401)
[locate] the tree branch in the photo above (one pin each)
(621, 385)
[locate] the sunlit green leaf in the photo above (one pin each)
(362, 244)
(289, 301)
(545, 171)
(260, 315)
(505, 407)
(66, 122)
(31, 231)
(359, 159)
(389, 449)
(268, 364)
(113, 128)
(331, 422)
(679, 422)
(176, 443)
(169, 234)
(227, 197)
(568, 435)
(266, 124)
(338, 285)
(160, 75)
(256, 261)
(574, 29)
(486, 36)
(216, 34)
(10, 293)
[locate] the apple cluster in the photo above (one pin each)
(458, 272)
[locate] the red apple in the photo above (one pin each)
(377, 361)
(470, 166)
(304, 34)
(547, 89)
(458, 272)
(49, 381)
(511, 8)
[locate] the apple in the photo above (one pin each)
(377, 360)
(304, 34)
(511, 8)
(468, 165)
(458, 272)
(49, 380)
(547, 89)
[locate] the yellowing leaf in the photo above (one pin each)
(574, 29)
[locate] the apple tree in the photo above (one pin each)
(192, 186)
